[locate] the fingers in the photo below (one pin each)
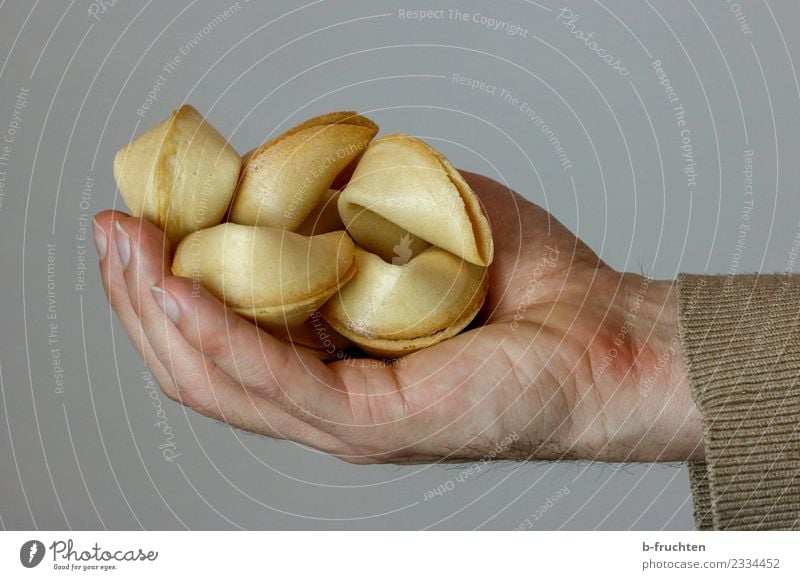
(129, 279)
(293, 379)
(201, 383)
(117, 295)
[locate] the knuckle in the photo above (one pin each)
(214, 344)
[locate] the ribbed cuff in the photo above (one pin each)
(701, 495)
(741, 341)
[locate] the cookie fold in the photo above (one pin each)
(404, 196)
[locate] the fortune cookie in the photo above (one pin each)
(390, 310)
(404, 191)
(272, 276)
(284, 180)
(424, 245)
(180, 175)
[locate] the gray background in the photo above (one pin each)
(89, 457)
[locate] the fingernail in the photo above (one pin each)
(166, 301)
(123, 243)
(100, 240)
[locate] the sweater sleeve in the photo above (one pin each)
(741, 340)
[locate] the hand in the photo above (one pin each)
(569, 358)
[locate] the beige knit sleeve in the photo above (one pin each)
(741, 341)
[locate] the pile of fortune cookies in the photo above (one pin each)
(393, 261)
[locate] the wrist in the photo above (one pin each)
(673, 426)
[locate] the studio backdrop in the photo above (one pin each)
(664, 134)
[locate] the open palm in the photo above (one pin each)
(554, 367)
